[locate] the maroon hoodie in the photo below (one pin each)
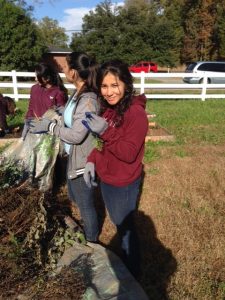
(119, 163)
(41, 99)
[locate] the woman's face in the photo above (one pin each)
(44, 82)
(69, 73)
(36, 79)
(112, 89)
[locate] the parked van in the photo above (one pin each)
(201, 67)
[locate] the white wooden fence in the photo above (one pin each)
(154, 85)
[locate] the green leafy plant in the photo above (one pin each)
(46, 146)
(11, 173)
(16, 248)
(98, 143)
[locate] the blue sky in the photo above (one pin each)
(68, 13)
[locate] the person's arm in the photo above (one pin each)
(61, 98)
(91, 156)
(126, 144)
(29, 113)
(78, 132)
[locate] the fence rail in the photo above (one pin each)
(154, 85)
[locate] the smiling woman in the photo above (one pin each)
(112, 89)
(122, 127)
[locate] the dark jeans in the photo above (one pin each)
(121, 203)
(84, 198)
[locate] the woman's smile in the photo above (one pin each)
(112, 89)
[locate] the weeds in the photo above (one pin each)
(151, 152)
(16, 247)
(2, 148)
(181, 153)
(11, 173)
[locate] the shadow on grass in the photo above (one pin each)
(157, 262)
(151, 262)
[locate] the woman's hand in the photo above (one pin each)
(26, 128)
(60, 110)
(89, 175)
(95, 123)
(41, 126)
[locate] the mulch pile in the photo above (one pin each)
(33, 235)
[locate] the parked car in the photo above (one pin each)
(199, 68)
(143, 66)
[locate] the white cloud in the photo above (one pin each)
(118, 3)
(72, 19)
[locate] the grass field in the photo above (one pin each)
(192, 121)
(181, 217)
(183, 195)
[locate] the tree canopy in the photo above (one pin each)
(128, 33)
(167, 32)
(21, 44)
(52, 33)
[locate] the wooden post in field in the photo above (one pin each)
(15, 88)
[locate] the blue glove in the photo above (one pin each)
(89, 175)
(60, 110)
(40, 126)
(95, 123)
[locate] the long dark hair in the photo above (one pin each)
(119, 69)
(48, 73)
(10, 104)
(86, 68)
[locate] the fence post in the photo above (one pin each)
(142, 89)
(204, 86)
(15, 89)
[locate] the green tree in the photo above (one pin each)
(199, 23)
(131, 33)
(111, 32)
(163, 43)
(137, 3)
(171, 13)
(99, 36)
(21, 44)
(52, 33)
(219, 31)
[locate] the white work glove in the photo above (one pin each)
(94, 123)
(89, 175)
